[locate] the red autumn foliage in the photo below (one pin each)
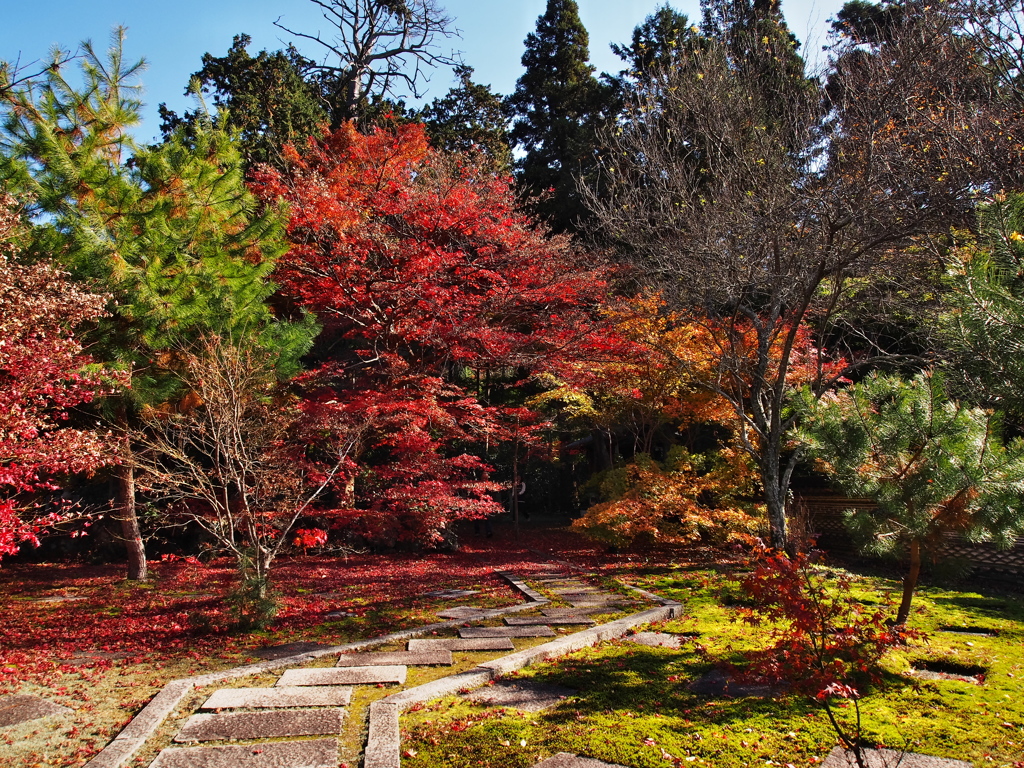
(42, 378)
(426, 281)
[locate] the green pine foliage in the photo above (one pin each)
(171, 232)
(934, 466)
(985, 321)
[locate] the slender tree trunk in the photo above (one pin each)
(775, 501)
(126, 516)
(910, 582)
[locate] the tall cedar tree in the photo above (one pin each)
(555, 111)
(427, 282)
(169, 232)
(264, 98)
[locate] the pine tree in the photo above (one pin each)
(170, 232)
(555, 108)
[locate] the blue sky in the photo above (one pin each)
(172, 36)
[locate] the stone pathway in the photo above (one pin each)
(312, 702)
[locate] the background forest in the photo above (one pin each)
(656, 301)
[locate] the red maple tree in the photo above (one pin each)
(431, 289)
(42, 372)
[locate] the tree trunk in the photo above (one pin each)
(775, 501)
(910, 582)
(130, 532)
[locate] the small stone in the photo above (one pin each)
(21, 708)
(340, 615)
(343, 676)
(567, 760)
(462, 644)
(395, 658)
(525, 696)
(296, 696)
(321, 753)
(262, 725)
(506, 632)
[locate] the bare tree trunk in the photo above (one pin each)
(775, 500)
(130, 532)
(910, 582)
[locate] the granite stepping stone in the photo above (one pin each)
(544, 631)
(557, 612)
(717, 683)
(396, 658)
(452, 593)
(525, 696)
(342, 676)
(536, 621)
(655, 639)
(295, 696)
(21, 708)
(577, 590)
(884, 758)
(318, 753)
(262, 725)
(288, 649)
(461, 612)
(462, 644)
(567, 760)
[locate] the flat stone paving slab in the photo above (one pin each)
(526, 696)
(262, 725)
(506, 632)
(319, 753)
(885, 758)
(462, 644)
(558, 612)
(21, 708)
(288, 649)
(537, 621)
(342, 676)
(566, 760)
(572, 589)
(655, 639)
(718, 683)
(461, 612)
(295, 696)
(452, 593)
(435, 658)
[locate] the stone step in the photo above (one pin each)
(461, 612)
(578, 590)
(538, 621)
(279, 698)
(343, 676)
(226, 726)
(439, 657)
(559, 612)
(462, 644)
(319, 753)
(506, 632)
